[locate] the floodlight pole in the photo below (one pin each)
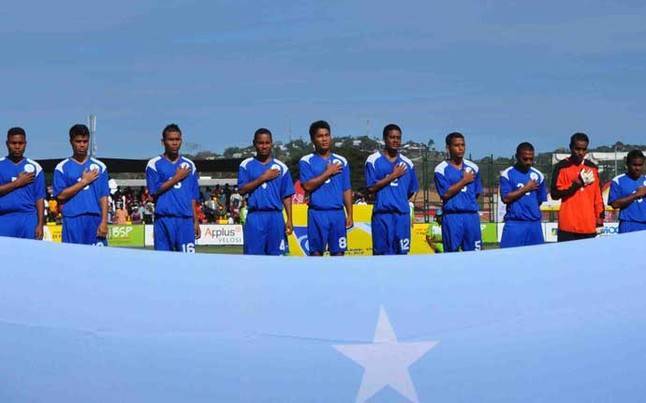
(91, 122)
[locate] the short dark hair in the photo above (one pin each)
(79, 130)
(579, 136)
(260, 131)
(451, 136)
(389, 127)
(524, 146)
(16, 131)
(634, 155)
(170, 128)
(319, 124)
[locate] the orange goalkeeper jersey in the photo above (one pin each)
(579, 210)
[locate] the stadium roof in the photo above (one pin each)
(120, 165)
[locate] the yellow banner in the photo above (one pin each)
(359, 236)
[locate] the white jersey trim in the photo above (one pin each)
(152, 163)
(39, 169)
(505, 172)
(307, 158)
(100, 164)
(246, 162)
(340, 157)
(441, 167)
(472, 165)
(60, 165)
(616, 178)
(282, 165)
(372, 159)
(407, 161)
(539, 173)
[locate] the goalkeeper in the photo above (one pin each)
(576, 183)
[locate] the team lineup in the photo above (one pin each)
(80, 185)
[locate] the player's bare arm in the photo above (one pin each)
(518, 193)
(40, 217)
(180, 174)
(266, 176)
(398, 171)
(347, 202)
(314, 183)
(289, 223)
(467, 177)
(102, 230)
(626, 201)
(89, 176)
(23, 179)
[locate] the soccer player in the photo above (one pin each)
(22, 190)
(575, 181)
(627, 193)
(391, 177)
(326, 177)
(458, 183)
(172, 180)
(269, 187)
(81, 187)
(523, 190)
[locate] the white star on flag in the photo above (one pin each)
(386, 361)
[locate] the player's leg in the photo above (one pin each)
(337, 233)
(512, 235)
(72, 230)
(316, 231)
(452, 231)
(472, 236)
(254, 234)
(276, 238)
(27, 227)
(401, 228)
(184, 235)
(534, 233)
(162, 236)
(92, 222)
(379, 230)
(9, 225)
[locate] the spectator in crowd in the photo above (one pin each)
(120, 215)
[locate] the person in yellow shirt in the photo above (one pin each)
(434, 233)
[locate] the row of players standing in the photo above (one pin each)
(80, 185)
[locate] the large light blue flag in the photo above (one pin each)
(552, 323)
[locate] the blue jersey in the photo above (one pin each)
(329, 195)
(622, 186)
(464, 201)
(178, 200)
(68, 172)
(527, 207)
(21, 200)
(268, 196)
(392, 198)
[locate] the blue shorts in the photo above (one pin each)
(81, 229)
(326, 229)
(264, 233)
(390, 233)
(631, 226)
(461, 231)
(174, 234)
(521, 233)
(18, 225)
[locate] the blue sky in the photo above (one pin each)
(499, 71)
